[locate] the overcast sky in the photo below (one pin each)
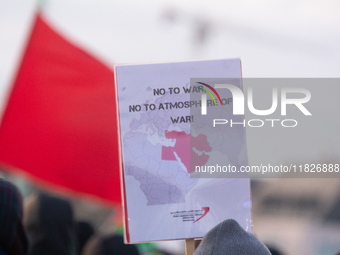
(272, 38)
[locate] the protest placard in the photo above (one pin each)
(162, 199)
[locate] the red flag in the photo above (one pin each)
(60, 122)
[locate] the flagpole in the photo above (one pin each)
(41, 5)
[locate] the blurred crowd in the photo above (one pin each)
(45, 224)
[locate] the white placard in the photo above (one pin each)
(161, 201)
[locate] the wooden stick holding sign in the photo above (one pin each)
(190, 245)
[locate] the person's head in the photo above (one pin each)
(13, 240)
(109, 245)
(50, 226)
(229, 238)
(84, 231)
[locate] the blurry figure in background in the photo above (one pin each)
(274, 251)
(159, 252)
(229, 238)
(109, 245)
(84, 231)
(50, 225)
(13, 240)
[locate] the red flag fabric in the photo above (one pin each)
(60, 122)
